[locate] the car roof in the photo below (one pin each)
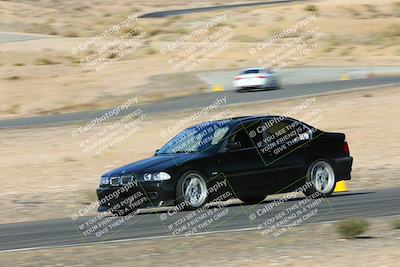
(256, 117)
(233, 121)
(276, 118)
(248, 118)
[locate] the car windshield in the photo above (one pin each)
(251, 71)
(198, 138)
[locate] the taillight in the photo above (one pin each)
(262, 77)
(237, 78)
(346, 148)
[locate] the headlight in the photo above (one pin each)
(158, 176)
(104, 180)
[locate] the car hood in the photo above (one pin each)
(154, 164)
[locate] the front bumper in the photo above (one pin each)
(342, 167)
(140, 195)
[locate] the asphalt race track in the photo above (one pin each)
(11, 37)
(64, 232)
(198, 101)
(235, 217)
(168, 13)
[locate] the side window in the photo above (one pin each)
(248, 135)
(286, 132)
(219, 134)
(280, 133)
(305, 133)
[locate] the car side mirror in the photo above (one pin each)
(233, 146)
(156, 151)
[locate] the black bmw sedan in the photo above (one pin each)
(249, 157)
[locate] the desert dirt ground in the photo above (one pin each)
(48, 172)
(309, 245)
(45, 77)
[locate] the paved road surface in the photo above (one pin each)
(168, 13)
(64, 232)
(8, 37)
(294, 76)
(197, 101)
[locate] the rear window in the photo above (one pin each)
(250, 71)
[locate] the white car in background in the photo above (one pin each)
(256, 78)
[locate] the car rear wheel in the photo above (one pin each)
(321, 176)
(252, 200)
(191, 191)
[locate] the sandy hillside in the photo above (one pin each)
(45, 77)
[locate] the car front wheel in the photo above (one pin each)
(321, 176)
(191, 191)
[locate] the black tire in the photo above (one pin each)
(253, 199)
(312, 190)
(180, 201)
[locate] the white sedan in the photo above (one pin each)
(256, 78)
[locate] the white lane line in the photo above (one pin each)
(160, 237)
(128, 240)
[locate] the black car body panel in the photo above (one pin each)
(255, 169)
